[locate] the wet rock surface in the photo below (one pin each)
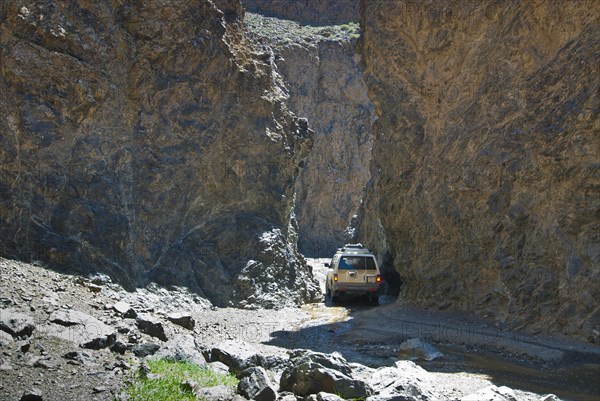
(485, 169)
(161, 152)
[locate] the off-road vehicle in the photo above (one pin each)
(353, 270)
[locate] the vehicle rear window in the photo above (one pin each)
(357, 263)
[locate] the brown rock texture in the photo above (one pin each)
(485, 192)
(314, 12)
(321, 72)
(149, 141)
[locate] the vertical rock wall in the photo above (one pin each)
(486, 181)
(149, 141)
(321, 72)
(326, 86)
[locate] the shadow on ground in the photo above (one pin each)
(574, 376)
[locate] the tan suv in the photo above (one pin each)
(353, 270)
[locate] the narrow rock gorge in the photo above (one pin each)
(485, 192)
(320, 69)
(151, 142)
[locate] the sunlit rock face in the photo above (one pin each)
(485, 173)
(148, 142)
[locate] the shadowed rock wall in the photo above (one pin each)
(150, 142)
(486, 183)
(321, 72)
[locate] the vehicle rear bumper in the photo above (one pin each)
(355, 289)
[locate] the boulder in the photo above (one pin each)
(81, 328)
(151, 326)
(125, 310)
(184, 320)
(15, 323)
(235, 354)
(404, 381)
(328, 397)
(416, 349)
(214, 393)
(311, 372)
(144, 350)
(182, 348)
(255, 385)
(34, 394)
(219, 367)
(492, 393)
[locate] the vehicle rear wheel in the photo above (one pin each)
(334, 299)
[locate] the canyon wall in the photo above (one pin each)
(314, 12)
(321, 72)
(150, 142)
(485, 193)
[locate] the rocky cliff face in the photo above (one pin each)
(314, 12)
(485, 165)
(150, 142)
(320, 69)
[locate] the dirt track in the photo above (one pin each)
(473, 347)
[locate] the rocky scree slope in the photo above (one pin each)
(152, 143)
(321, 73)
(485, 174)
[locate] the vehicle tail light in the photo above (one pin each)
(378, 279)
(335, 277)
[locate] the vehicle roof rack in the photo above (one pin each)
(355, 248)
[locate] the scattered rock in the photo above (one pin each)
(182, 348)
(46, 363)
(24, 346)
(4, 302)
(5, 366)
(100, 279)
(34, 394)
(285, 396)
(416, 349)
(492, 393)
(125, 310)
(328, 397)
(151, 326)
(119, 347)
(312, 372)
(255, 385)
(144, 350)
(405, 381)
(82, 329)
(94, 288)
(235, 354)
(550, 397)
(99, 389)
(15, 323)
(79, 357)
(219, 367)
(215, 393)
(182, 319)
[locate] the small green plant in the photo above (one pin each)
(166, 381)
